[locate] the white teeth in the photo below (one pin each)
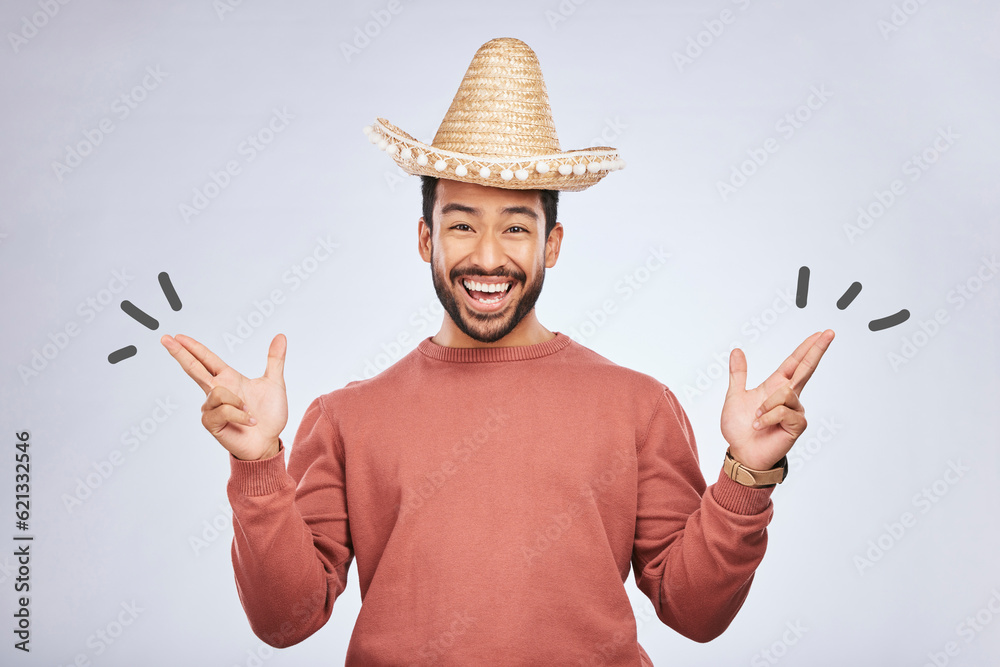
(490, 300)
(484, 287)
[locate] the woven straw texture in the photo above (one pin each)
(499, 131)
(502, 107)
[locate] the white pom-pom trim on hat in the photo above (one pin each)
(585, 164)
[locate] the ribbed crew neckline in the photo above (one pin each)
(485, 354)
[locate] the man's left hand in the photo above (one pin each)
(762, 424)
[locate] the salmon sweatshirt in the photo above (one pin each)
(494, 500)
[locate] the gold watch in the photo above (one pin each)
(757, 479)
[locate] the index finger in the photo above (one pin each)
(787, 369)
(809, 363)
(201, 368)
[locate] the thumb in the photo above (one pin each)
(737, 372)
(275, 369)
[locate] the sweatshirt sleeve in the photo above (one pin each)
(695, 549)
(291, 545)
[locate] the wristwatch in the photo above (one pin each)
(757, 479)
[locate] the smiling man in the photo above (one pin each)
(497, 484)
(493, 248)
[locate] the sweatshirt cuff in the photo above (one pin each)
(740, 499)
(261, 477)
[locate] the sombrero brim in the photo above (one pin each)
(569, 171)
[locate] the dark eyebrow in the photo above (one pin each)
(509, 210)
(463, 208)
(521, 210)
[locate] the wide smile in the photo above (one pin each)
(487, 297)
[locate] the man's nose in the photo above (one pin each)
(489, 252)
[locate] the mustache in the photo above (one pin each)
(499, 273)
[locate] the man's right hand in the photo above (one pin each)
(246, 416)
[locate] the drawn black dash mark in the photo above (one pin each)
(122, 354)
(802, 296)
(852, 292)
(144, 318)
(169, 291)
(139, 316)
(890, 321)
(802, 293)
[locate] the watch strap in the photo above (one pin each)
(757, 479)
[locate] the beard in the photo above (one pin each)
(487, 327)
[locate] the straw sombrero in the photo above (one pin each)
(499, 131)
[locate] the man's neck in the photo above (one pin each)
(528, 331)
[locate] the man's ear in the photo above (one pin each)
(424, 240)
(552, 245)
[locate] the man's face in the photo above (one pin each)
(493, 237)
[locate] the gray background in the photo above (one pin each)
(895, 77)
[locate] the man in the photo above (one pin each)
(497, 483)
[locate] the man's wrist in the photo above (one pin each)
(755, 477)
(269, 453)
